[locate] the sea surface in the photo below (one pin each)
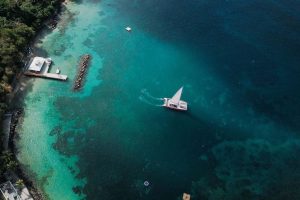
(239, 63)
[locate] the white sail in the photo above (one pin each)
(176, 98)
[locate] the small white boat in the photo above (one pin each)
(48, 60)
(57, 71)
(175, 102)
(128, 29)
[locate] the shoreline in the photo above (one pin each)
(16, 112)
(18, 171)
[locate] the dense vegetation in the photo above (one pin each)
(19, 21)
(7, 162)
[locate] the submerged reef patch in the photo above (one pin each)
(253, 169)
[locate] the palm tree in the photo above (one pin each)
(11, 165)
(7, 160)
(20, 182)
(6, 156)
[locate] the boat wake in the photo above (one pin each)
(146, 93)
(143, 99)
(147, 98)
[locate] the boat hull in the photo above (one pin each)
(182, 106)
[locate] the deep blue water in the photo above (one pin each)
(239, 64)
(244, 41)
(252, 47)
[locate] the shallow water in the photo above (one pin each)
(238, 64)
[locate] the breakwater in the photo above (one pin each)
(82, 70)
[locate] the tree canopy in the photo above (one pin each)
(19, 21)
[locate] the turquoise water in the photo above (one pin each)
(237, 62)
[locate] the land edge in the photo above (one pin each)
(48, 25)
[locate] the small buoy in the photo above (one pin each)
(128, 29)
(146, 183)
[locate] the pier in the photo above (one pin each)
(48, 75)
(39, 67)
(82, 70)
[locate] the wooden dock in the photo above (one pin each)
(48, 75)
(44, 73)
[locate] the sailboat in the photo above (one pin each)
(175, 102)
